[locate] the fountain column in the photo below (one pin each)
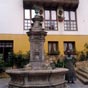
(36, 37)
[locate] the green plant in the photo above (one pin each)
(1, 61)
(60, 63)
(54, 53)
(2, 64)
(21, 59)
(86, 50)
(82, 56)
(86, 55)
(86, 46)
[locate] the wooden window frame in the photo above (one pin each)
(69, 23)
(28, 27)
(5, 44)
(50, 22)
(53, 52)
(73, 44)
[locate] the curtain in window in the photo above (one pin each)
(70, 46)
(49, 47)
(52, 47)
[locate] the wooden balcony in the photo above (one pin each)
(52, 4)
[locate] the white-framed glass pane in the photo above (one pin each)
(47, 15)
(66, 15)
(27, 14)
(53, 15)
(72, 15)
(33, 13)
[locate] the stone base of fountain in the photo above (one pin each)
(21, 78)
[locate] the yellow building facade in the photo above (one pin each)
(21, 41)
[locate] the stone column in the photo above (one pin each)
(37, 37)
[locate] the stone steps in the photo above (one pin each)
(85, 75)
(82, 75)
(84, 70)
(82, 79)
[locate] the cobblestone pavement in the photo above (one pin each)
(78, 84)
(4, 83)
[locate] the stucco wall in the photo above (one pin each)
(11, 19)
(21, 42)
(11, 16)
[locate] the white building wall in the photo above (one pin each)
(11, 19)
(82, 17)
(11, 16)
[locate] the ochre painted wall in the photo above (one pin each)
(21, 41)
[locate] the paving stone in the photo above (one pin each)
(78, 84)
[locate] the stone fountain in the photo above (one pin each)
(37, 74)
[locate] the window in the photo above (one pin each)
(53, 47)
(29, 14)
(69, 45)
(50, 20)
(6, 47)
(70, 23)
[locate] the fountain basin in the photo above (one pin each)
(21, 78)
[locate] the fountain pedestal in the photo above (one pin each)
(37, 38)
(38, 76)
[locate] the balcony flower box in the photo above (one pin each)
(60, 19)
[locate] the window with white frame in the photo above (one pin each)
(70, 22)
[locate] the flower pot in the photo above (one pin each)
(60, 19)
